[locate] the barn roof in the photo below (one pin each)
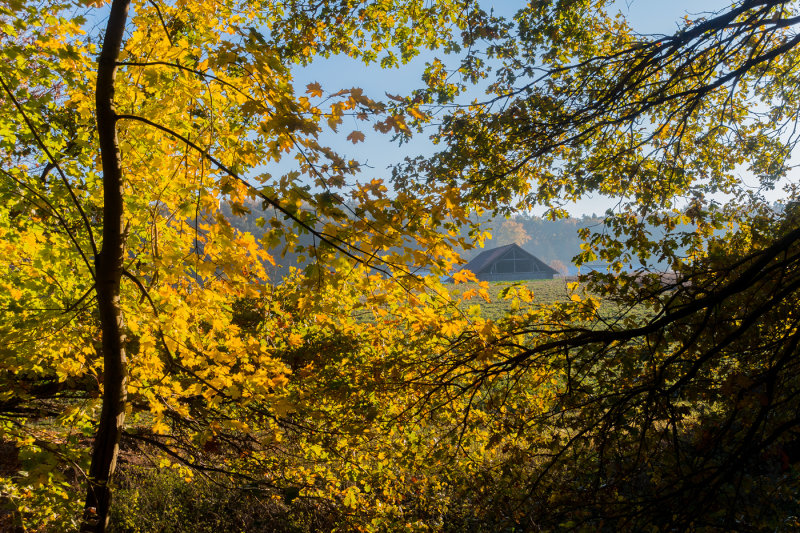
(485, 259)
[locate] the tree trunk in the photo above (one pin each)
(108, 275)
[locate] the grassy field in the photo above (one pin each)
(545, 291)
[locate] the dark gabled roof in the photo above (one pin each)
(485, 259)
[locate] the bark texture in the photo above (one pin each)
(108, 274)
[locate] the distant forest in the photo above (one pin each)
(555, 242)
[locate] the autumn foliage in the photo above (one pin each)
(143, 332)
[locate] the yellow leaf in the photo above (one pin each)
(463, 276)
(351, 497)
(416, 113)
(295, 340)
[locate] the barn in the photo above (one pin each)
(508, 263)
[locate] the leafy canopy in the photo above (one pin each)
(637, 400)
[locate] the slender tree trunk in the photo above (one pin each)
(109, 273)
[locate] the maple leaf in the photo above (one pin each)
(463, 276)
(314, 89)
(355, 137)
